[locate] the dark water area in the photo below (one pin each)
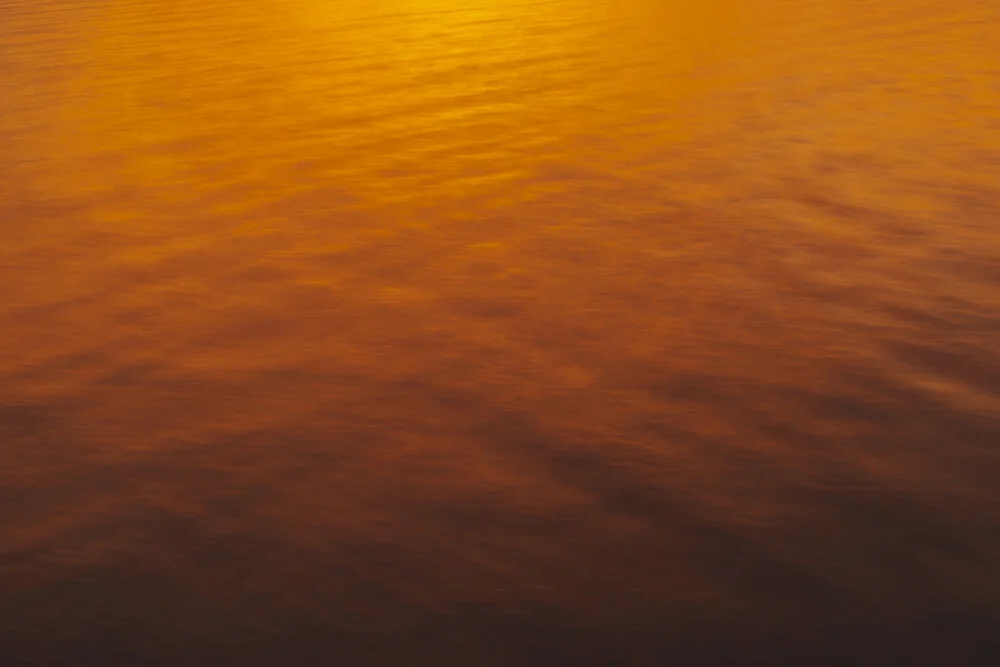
(578, 333)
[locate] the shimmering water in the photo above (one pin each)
(508, 332)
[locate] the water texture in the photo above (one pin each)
(499, 333)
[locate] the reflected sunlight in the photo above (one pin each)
(499, 332)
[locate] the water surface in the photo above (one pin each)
(425, 332)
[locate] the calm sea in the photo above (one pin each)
(499, 333)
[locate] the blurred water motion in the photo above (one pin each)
(577, 332)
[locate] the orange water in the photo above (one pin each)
(510, 332)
